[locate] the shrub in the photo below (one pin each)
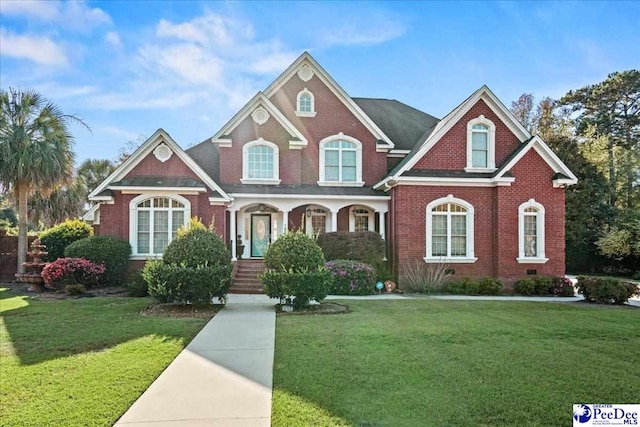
(606, 291)
(489, 286)
(425, 278)
(57, 238)
(466, 286)
(136, 286)
(636, 275)
(351, 277)
(294, 251)
(109, 251)
(363, 246)
(562, 287)
(183, 284)
(75, 289)
(195, 268)
(539, 285)
(296, 272)
(64, 271)
(197, 247)
(297, 288)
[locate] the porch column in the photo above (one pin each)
(381, 224)
(234, 235)
(285, 221)
(334, 220)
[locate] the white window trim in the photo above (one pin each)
(133, 221)
(245, 164)
(491, 145)
(540, 223)
(308, 219)
(370, 214)
(470, 257)
(358, 182)
(311, 113)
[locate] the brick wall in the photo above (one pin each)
(450, 152)
(495, 222)
(174, 167)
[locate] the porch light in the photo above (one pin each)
(308, 212)
(261, 207)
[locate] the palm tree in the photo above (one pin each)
(35, 150)
(91, 173)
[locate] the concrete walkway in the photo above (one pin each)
(224, 377)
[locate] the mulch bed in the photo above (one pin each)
(20, 289)
(312, 310)
(182, 310)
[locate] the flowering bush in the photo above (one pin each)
(562, 287)
(351, 277)
(603, 290)
(64, 271)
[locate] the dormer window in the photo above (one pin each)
(305, 104)
(481, 135)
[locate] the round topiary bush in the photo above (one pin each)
(197, 247)
(58, 237)
(195, 268)
(109, 251)
(294, 251)
(296, 272)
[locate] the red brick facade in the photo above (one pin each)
(496, 232)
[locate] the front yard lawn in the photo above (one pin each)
(81, 362)
(453, 363)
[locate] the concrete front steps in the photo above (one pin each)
(246, 278)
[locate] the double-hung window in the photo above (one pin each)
(260, 164)
(341, 162)
(531, 225)
(481, 140)
(450, 231)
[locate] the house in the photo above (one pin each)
(474, 190)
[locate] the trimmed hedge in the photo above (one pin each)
(351, 277)
(603, 290)
(180, 283)
(57, 238)
(297, 288)
(196, 267)
(544, 285)
(466, 286)
(363, 246)
(109, 251)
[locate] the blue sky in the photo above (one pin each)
(130, 67)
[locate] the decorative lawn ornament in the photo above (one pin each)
(379, 286)
(389, 286)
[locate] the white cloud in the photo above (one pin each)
(112, 38)
(349, 34)
(74, 15)
(39, 49)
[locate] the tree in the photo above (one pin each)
(612, 109)
(35, 150)
(91, 173)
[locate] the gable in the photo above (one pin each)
(158, 156)
(450, 151)
(306, 69)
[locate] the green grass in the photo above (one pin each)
(81, 362)
(453, 363)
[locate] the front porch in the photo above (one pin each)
(255, 222)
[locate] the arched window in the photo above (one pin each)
(305, 104)
(531, 233)
(340, 161)
(260, 163)
(154, 222)
(450, 231)
(361, 218)
(481, 134)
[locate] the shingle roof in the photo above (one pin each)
(206, 155)
(405, 125)
(314, 190)
(157, 181)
